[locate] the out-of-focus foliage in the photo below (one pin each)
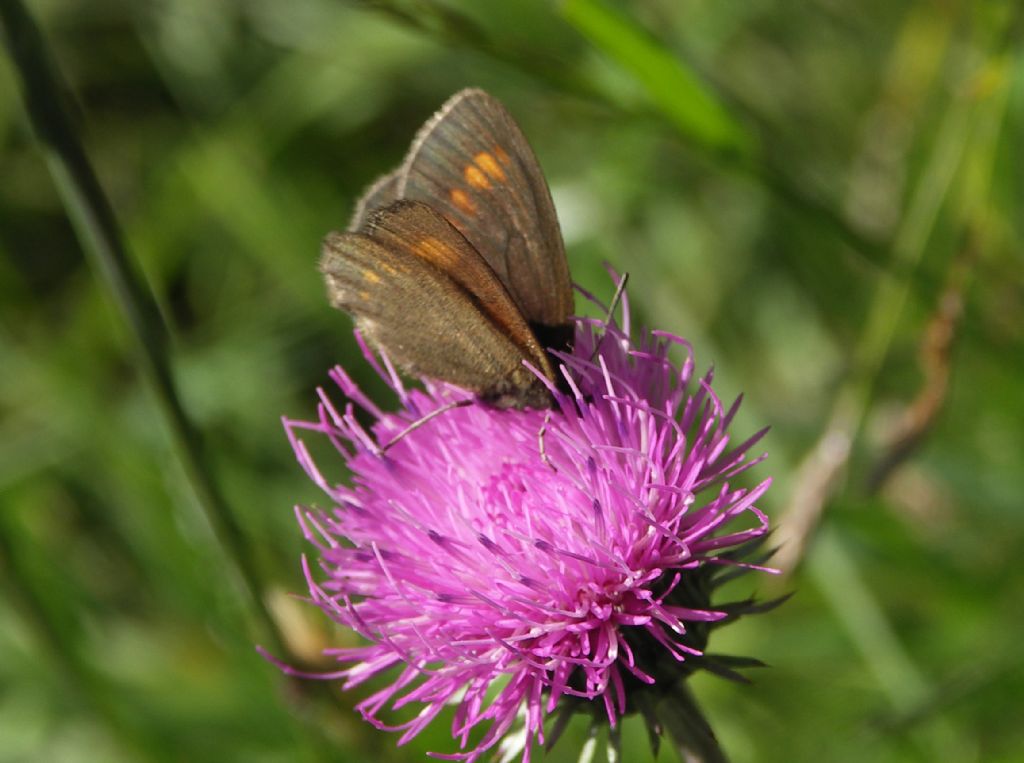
(807, 191)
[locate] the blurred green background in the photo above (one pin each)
(826, 197)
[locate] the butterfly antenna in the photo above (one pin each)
(423, 420)
(616, 299)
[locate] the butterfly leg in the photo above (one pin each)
(540, 441)
(423, 420)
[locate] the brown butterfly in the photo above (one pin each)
(454, 263)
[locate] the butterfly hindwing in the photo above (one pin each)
(402, 280)
(382, 193)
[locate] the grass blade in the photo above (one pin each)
(98, 231)
(674, 88)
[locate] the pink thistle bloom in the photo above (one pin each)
(513, 574)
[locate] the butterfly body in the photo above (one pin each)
(454, 263)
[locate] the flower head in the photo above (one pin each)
(516, 563)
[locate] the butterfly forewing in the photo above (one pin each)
(472, 163)
(392, 280)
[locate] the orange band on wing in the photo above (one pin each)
(489, 165)
(461, 199)
(502, 156)
(436, 252)
(475, 177)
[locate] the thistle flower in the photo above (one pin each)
(519, 564)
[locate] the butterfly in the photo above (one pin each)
(454, 265)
